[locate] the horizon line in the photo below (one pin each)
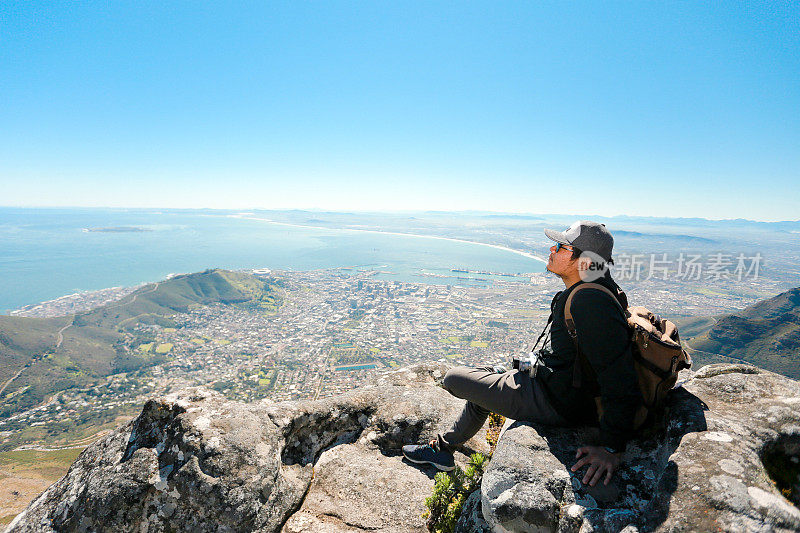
(397, 211)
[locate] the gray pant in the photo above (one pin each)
(511, 394)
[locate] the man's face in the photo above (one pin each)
(560, 262)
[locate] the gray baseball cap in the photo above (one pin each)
(587, 236)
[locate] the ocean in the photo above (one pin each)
(48, 253)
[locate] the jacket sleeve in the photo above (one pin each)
(603, 337)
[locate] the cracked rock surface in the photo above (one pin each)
(194, 461)
(705, 474)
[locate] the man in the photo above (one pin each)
(552, 397)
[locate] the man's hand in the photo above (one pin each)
(601, 462)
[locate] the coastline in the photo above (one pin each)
(68, 301)
(400, 234)
(73, 303)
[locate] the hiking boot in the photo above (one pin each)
(427, 454)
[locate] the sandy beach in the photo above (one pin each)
(496, 246)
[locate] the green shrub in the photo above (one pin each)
(450, 491)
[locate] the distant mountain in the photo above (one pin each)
(766, 334)
(661, 237)
(47, 355)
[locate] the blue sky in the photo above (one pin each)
(638, 108)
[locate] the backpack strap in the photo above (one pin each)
(580, 360)
(570, 323)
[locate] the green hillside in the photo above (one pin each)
(157, 302)
(693, 326)
(21, 338)
(94, 343)
(766, 334)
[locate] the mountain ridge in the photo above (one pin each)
(766, 334)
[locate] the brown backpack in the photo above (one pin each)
(657, 357)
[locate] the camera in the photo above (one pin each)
(527, 363)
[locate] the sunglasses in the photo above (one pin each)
(559, 246)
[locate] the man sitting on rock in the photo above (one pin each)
(551, 396)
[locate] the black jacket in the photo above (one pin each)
(604, 338)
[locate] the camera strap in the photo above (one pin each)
(546, 330)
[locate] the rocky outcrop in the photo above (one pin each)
(193, 461)
(706, 474)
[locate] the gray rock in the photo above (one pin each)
(704, 474)
(471, 519)
(194, 461)
(359, 488)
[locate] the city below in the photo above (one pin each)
(330, 331)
